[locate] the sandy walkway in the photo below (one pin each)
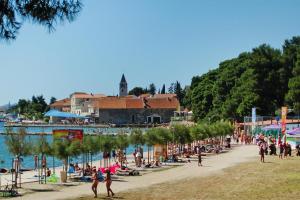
(212, 165)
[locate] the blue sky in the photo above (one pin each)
(157, 41)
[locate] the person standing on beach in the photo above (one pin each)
(108, 183)
(199, 159)
(262, 147)
(95, 182)
(35, 162)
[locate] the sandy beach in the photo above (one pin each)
(212, 165)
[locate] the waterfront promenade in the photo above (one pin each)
(212, 165)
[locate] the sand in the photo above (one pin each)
(211, 166)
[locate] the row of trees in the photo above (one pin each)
(265, 78)
(21, 145)
(175, 88)
(32, 109)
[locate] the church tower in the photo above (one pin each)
(123, 87)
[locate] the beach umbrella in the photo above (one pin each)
(295, 131)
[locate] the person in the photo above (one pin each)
(286, 150)
(138, 159)
(228, 140)
(95, 182)
(199, 159)
(35, 162)
(281, 150)
(289, 149)
(44, 162)
(108, 183)
(297, 150)
(114, 155)
(262, 151)
(87, 171)
(48, 172)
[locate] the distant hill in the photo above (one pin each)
(5, 107)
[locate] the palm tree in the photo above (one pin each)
(19, 145)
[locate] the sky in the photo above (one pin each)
(150, 41)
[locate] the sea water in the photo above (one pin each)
(28, 161)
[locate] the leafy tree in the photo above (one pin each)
(46, 13)
(136, 137)
(293, 95)
(122, 142)
(43, 148)
(260, 78)
(18, 145)
(179, 92)
(137, 91)
(171, 89)
(152, 89)
(52, 100)
(163, 89)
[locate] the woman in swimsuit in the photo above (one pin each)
(108, 183)
(95, 182)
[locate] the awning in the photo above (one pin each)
(56, 113)
(272, 127)
(295, 131)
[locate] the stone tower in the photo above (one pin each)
(123, 87)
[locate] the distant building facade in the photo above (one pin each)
(63, 105)
(136, 110)
(122, 109)
(80, 102)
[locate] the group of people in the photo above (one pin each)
(97, 177)
(267, 145)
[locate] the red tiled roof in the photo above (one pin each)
(61, 103)
(136, 103)
(81, 95)
(157, 103)
(164, 95)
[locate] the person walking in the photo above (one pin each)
(95, 182)
(108, 183)
(199, 159)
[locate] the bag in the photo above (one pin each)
(100, 176)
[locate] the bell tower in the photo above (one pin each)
(123, 87)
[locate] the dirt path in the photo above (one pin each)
(211, 165)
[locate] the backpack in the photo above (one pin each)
(100, 176)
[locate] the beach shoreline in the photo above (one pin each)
(212, 165)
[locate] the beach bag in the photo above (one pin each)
(100, 176)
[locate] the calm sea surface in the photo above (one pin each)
(28, 163)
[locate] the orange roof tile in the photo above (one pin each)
(80, 95)
(164, 95)
(61, 103)
(136, 103)
(157, 103)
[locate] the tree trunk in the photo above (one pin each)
(148, 155)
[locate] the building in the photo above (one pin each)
(63, 105)
(80, 103)
(122, 109)
(136, 110)
(123, 90)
